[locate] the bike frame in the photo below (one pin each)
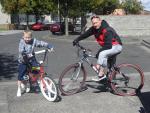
(41, 72)
(85, 58)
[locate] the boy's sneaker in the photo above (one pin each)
(22, 86)
(98, 78)
(19, 92)
(27, 90)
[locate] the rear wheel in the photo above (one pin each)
(127, 80)
(72, 79)
(49, 88)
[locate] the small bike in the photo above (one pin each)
(124, 79)
(36, 76)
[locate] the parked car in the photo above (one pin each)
(40, 26)
(60, 27)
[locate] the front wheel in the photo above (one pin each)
(49, 88)
(127, 79)
(72, 79)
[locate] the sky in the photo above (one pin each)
(146, 4)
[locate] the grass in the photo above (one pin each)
(1, 29)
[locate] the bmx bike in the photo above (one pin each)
(36, 76)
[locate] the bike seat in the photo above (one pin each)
(35, 69)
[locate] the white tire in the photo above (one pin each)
(49, 89)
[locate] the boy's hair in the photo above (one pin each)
(27, 33)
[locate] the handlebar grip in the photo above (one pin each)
(41, 51)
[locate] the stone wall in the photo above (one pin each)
(130, 25)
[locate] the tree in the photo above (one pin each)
(106, 7)
(132, 6)
(36, 7)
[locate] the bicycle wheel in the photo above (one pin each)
(127, 79)
(72, 79)
(49, 88)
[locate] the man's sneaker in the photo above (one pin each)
(19, 92)
(98, 78)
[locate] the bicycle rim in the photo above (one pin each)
(49, 88)
(127, 80)
(72, 79)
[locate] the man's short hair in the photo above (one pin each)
(94, 16)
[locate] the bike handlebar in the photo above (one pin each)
(81, 47)
(85, 51)
(44, 51)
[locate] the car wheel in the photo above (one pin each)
(53, 33)
(42, 29)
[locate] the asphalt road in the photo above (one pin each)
(88, 101)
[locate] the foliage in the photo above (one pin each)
(27, 6)
(9, 6)
(132, 6)
(73, 8)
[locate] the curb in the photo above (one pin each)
(2, 33)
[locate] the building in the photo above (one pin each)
(5, 19)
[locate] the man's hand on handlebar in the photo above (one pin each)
(75, 42)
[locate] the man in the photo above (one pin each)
(107, 38)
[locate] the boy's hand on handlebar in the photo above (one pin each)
(51, 49)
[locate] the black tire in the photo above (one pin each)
(53, 33)
(68, 84)
(127, 80)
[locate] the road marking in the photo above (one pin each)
(145, 48)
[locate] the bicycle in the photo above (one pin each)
(123, 79)
(36, 76)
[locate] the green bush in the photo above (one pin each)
(132, 6)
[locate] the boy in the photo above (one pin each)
(26, 48)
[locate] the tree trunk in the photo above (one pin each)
(27, 27)
(66, 26)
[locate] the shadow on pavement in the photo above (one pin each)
(144, 97)
(8, 66)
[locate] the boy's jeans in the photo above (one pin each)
(23, 68)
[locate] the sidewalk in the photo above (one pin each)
(9, 32)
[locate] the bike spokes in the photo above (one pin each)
(71, 80)
(126, 80)
(49, 89)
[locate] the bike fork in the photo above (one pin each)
(76, 75)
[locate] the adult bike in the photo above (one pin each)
(36, 76)
(123, 79)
